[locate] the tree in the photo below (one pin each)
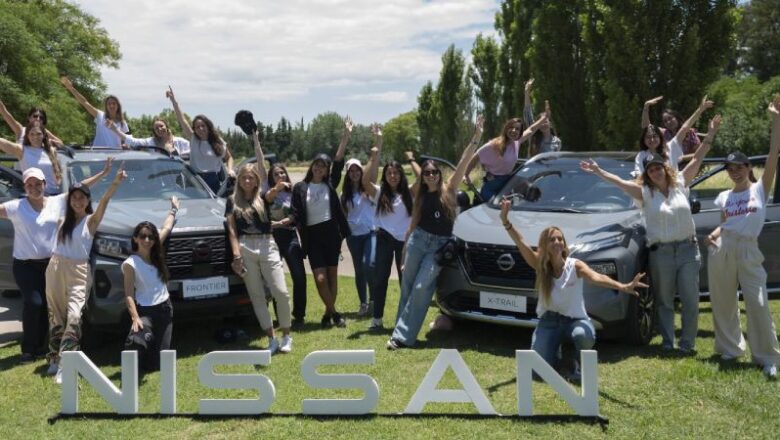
(41, 40)
(484, 75)
(401, 134)
(426, 116)
(452, 102)
(513, 23)
(760, 38)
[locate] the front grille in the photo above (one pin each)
(197, 256)
(482, 266)
(465, 302)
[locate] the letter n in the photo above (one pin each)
(529, 361)
(75, 363)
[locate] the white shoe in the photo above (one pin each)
(58, 376)
(273, 345)
(53, 367)
(770, 371)
(286, 346)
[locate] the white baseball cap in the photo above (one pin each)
(351, 162)
(32, 172)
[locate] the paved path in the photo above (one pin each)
(11, 308)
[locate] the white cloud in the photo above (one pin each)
(216, 54)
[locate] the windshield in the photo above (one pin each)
(559, 185)
(146, 180)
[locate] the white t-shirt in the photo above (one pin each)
(361, 213)
(79, 244)
(35, 233)
(149, 288)
(104, 137)
(673, 152)
(745, 211)
(202, 156)
(566, 294)
(33, 157)
(396, 222)
(181, 145)
(317, 203)
(667, 219)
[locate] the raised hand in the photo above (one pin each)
(590, 166)
(480, 124)
(408, 156)
(348, 124)
(653, 101)
(631, 288)
(107, 165)
(175, 203)
(65, 81)
(373, 151)
(529, 85)
(715, 123)
(169, 94)
(774, 107)
(706, 103)
(376, 130)
(120, 174)
(505, 205)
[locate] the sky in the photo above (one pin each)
(293, 58)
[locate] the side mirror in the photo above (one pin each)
(463, 201)
(695, 204)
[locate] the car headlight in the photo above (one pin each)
(597, 245)
(113, 246)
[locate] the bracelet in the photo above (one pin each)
(508, 225)
(173, 211)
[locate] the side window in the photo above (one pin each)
(10, 186)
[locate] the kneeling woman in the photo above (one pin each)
(146, 291)
(255, 254)
(561, 307)
(68, 274)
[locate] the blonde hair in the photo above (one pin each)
(544, 273)
(244, 206)
(669, 173)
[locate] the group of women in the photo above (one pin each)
(270, 219)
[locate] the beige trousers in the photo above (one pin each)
(67, 288)
(264, 269)
(738, 262)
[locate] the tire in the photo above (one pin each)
(639, 325)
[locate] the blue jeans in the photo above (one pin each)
(418, 283)
(674, 268)
(362, 249)
(387, 248)
(554, 329)
(30, 277)
(493, 186)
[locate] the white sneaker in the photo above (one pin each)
(58, 376)
(53, 367)
(286, 346)
(273, 345)
(770, 371)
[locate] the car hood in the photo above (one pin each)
(194, 215)
(482, 224)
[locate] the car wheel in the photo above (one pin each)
(639, 325)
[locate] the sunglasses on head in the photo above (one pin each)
(428, 173)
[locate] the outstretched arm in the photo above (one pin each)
(529, 255)
(94, 220)
(15, 126)
(91, 180)
(416, 169)
(528, 108)
(629, 187)
(260, 158)
(186, 129)
(466, 156)
(646, 110)
(369, 175)
(170, 219)
(11, 148)
(593, 277)
(692, 169)
(532, 129)
(690, 122)
(770, 168)
(79, 97)
(345, 135)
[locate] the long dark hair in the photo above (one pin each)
(120, 116)
(44, 120)
(325, 159)
(348, 191)
(157, 254)
(69, 224)
(448, 204)
(386, 196)
(661, 149)
(216, 142)
(272, 179)
(48, 148)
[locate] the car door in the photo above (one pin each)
(11, 187)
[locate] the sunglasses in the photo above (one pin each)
(37, 116)
(145, 236)
(429, 173)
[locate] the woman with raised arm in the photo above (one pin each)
(359, 207)
(35, 219)
(68, 276)
(499, 155)
(652, 139)
(674, 263)
(433, 217)
(161, 138)
(322, 224)
(112, 112)
(559, 283)
(279, 198)
(255, 254)
(672, 122)
(544, 140)
(735, 259)
(36, 151)
(36, 114)
(146, 291)
(207, 148)
(392, 216)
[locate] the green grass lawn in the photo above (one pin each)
(643, 391)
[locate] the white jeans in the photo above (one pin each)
(264, 268)
(738, 262)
